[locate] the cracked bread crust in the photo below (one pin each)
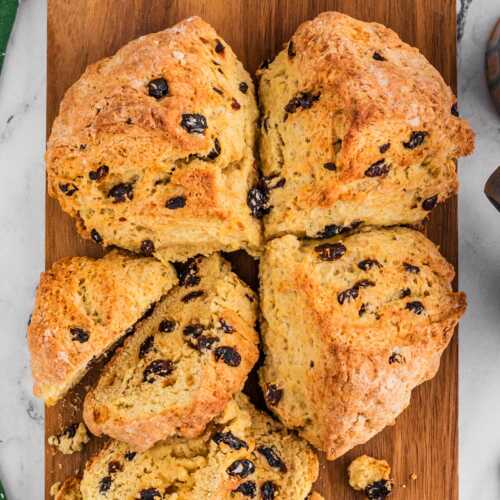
(183, 364)
(155, 145)
(214, 466)
(69, 490)
(358, 127)
(350, 326)
(83, 306)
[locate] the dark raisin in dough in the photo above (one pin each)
(130, 455)
(347, 295)
(416, 306)
(158, 88)
(378, 169)
(364, 284)
(247, 489)
(291, 50)
(384, 148)
(378, 490)
(194, 330)
(303, 100)
(219, 47)
(228, 355)
(241, 468)
(192, 295)
(147, 248)
(367, 264)
(150, 494)
(114, 466)
(226, 327)
(230, 440)
(378, 56)
(203, 342)
(272, 457)
(268, 490)
(330, 166)
(405, 292)
(121, 192)
(396, 357)
(430, 203)
(214, 152)
(68, 189)
(416, 139)
(160, 368)
(333, 230)
(273, 394)
(176, 202)
(194, 123)
(258, 199)
(330, 251)
(70, 431)
(410, 268)
(235, 104)
(79, 335)
(167, 326)
(146, 346)
(105, 484)
(243, 87)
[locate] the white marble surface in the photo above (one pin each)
(22, 130)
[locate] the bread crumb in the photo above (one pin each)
(54, 489)
(413, 477)
(371, 476)
(71, 440)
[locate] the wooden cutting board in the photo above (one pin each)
(424, 439)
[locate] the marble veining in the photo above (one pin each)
(22, 137)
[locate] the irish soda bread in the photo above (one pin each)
(68, 490)
(357, 128)
(82, 307)
(183, 364)
(243, 454)
(152, 150)
(351, 325)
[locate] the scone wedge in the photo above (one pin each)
(357, 128)
(83, 306)
(183, 363)
(152, 149)
(350, 326)
(242, 454)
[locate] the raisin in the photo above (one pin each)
(349, 294)
(192, 295)
(68, 189)
(416, 306)
(273, 459)
(247, 489)
(429, 203)
(228, 438)
(454, 109)
(83, 147)
(235, 104)
(416, 139)
(330, 166)
(167, 326)
(378, 56)
(362, 310)
(105, 484)
(97, 175)
(79, 334)
(203, 342)
(96, 236)
(194, 330)
(291, 50)
(176, 202)
(228, 354)
(114, 466)
(333, 230)
(364, 284)
(378, 490)
(149, 494)
(268, 490)
(219, 91)
(405, 292)
(243, 87)
(130, 455)
(70, 431)
(147, 248)
(410, 268)
(226, 327)
(303, 100)
(159, 367)
(214, 152)
(258, 199)
(241, 468)
(330, 251)
(273, 394)
(194, 123)
(396, 357)
(146, 346)
(120, 192)
(384, 148)
(378, 169)
(367, 264)
(219, 47)
(158, 88)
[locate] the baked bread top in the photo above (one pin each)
(350, 326)
(183, 364)
(357, 127)
(243, 454)
(83, 306)
(152, 149)
(69, 490)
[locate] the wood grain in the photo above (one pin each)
(424, 439)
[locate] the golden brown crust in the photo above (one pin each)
(347, 339)
(141, 410)
(82, 307)
(118, 157)
(358, 126)
(69, 490)
(200, 468)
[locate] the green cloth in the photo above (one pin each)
(8, 9)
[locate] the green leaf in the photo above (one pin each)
(8, 9)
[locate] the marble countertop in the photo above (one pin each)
(22, 138)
